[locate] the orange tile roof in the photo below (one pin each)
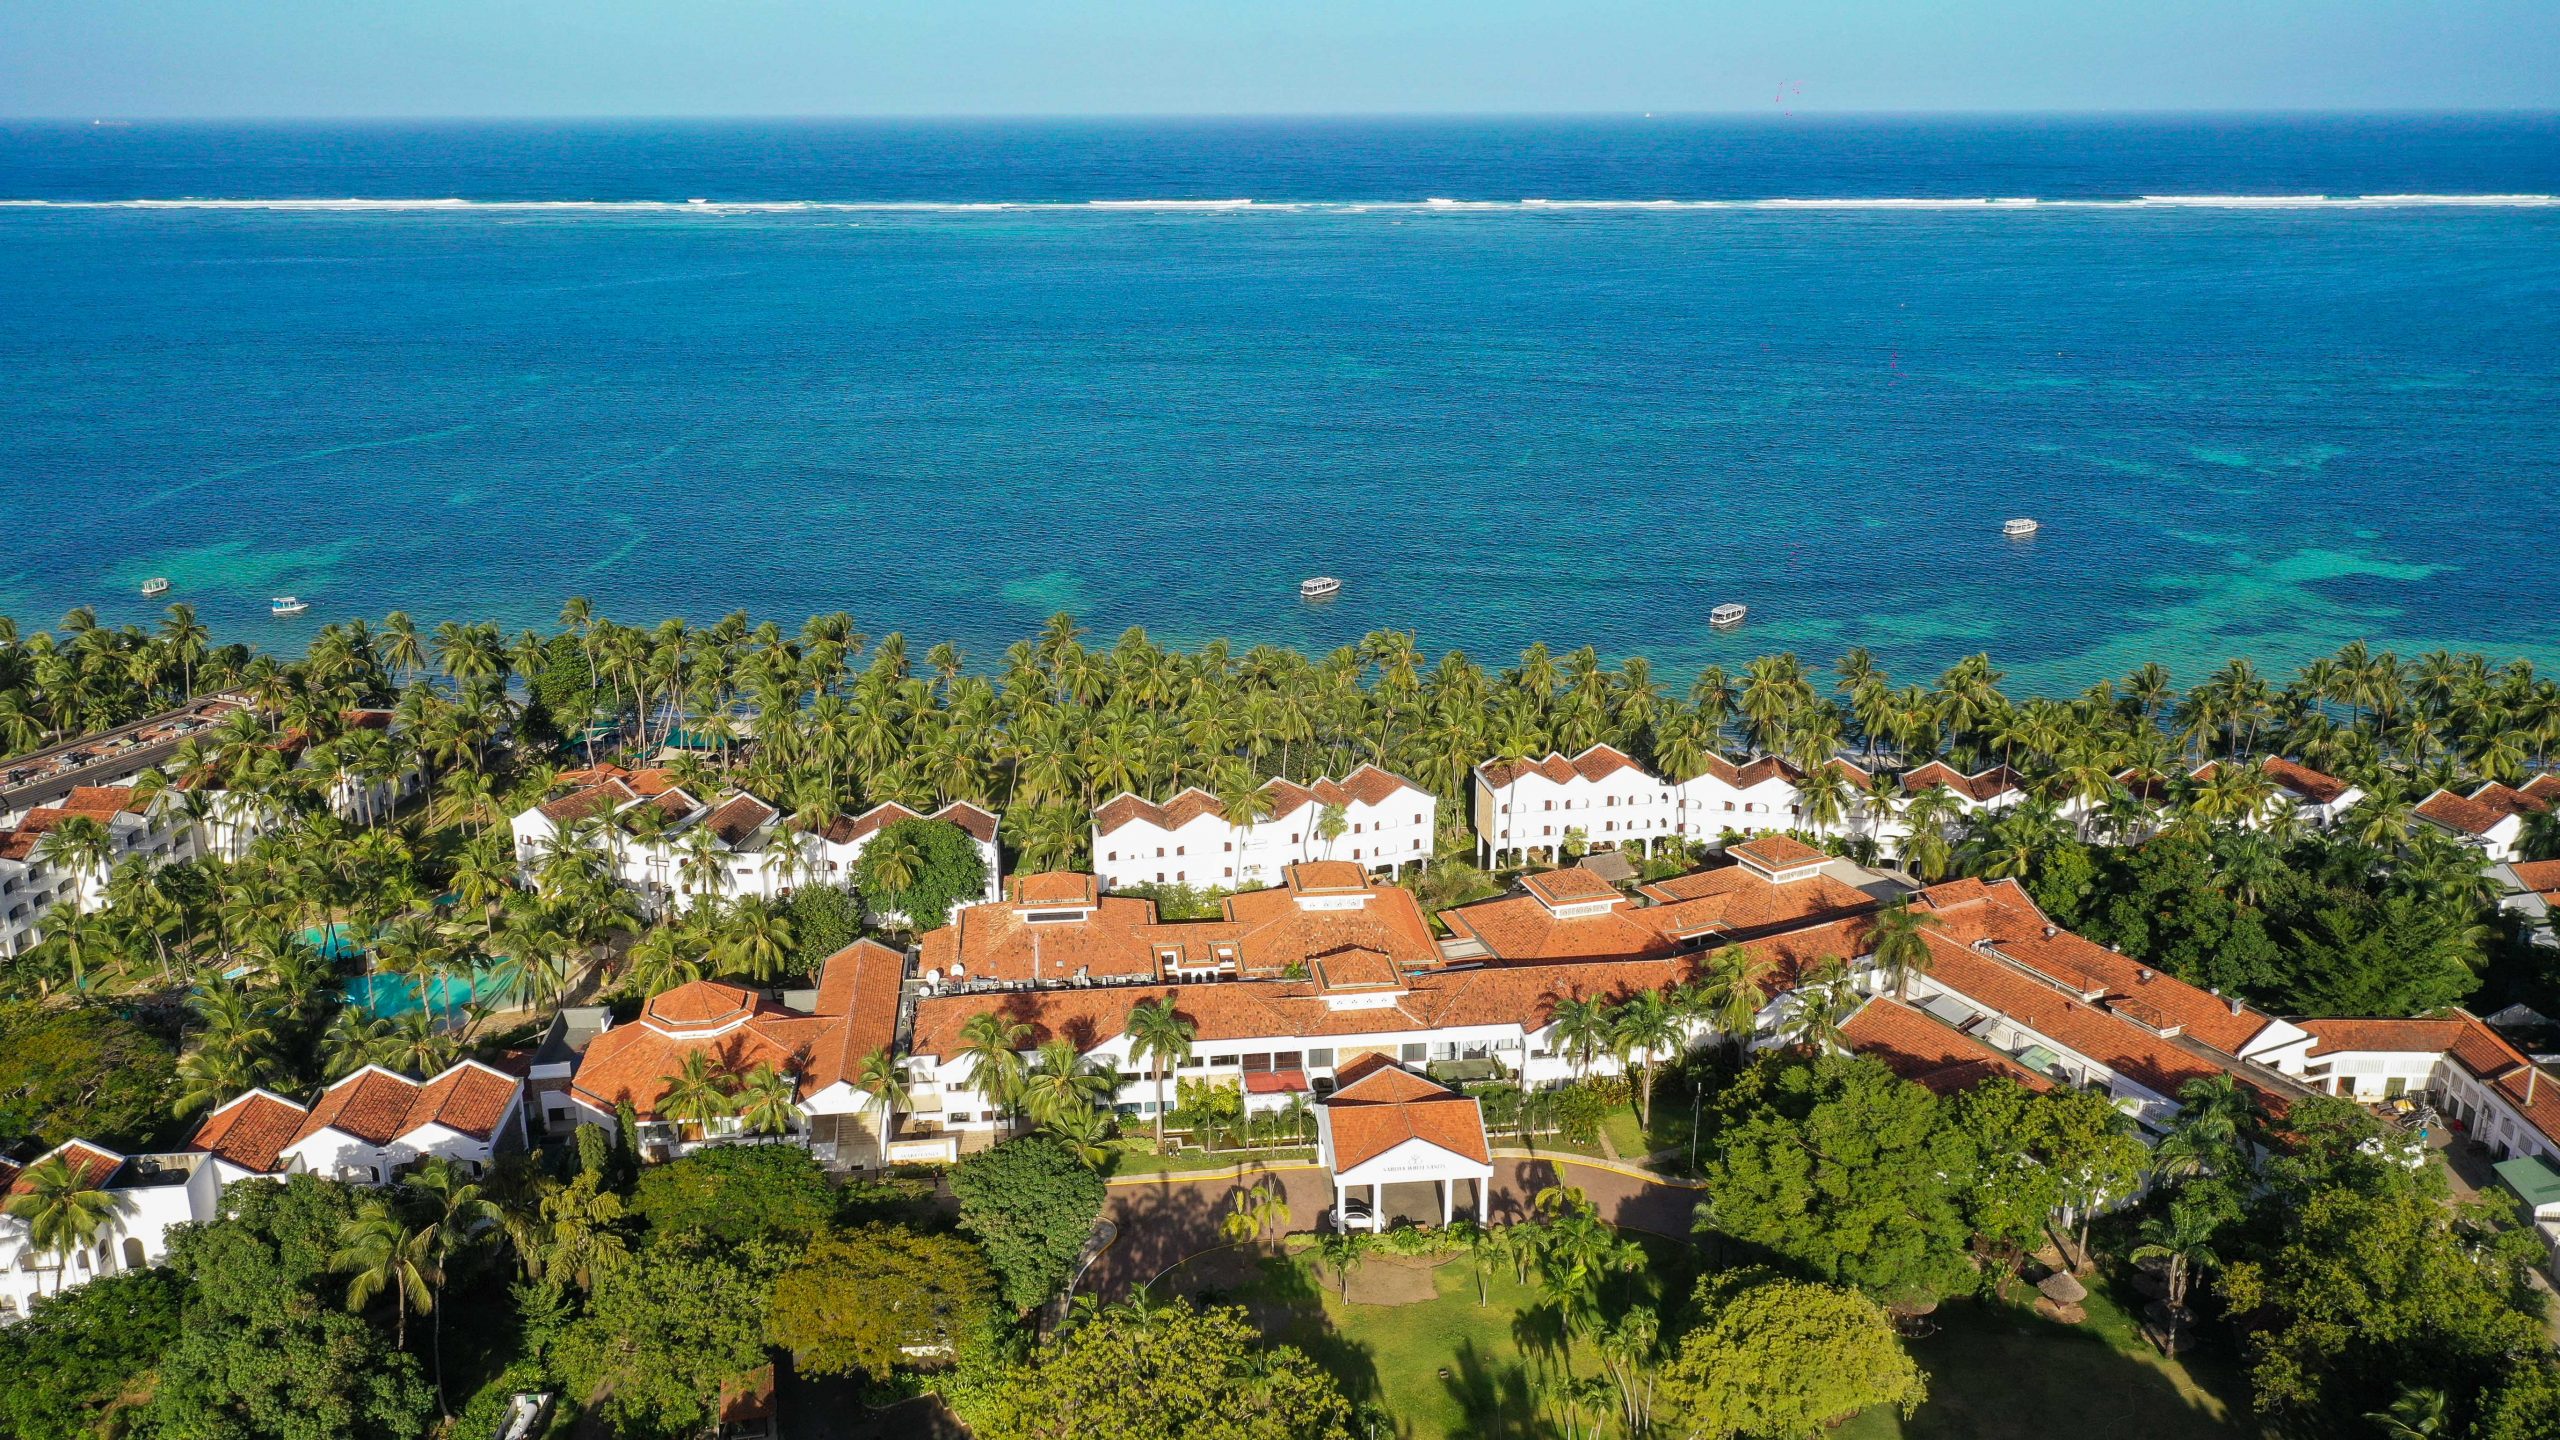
(1737, 902)
(1597, 763)
(1356, 969)
(250, 1131)
(2456, 812)
(1572, 885)
(980, 824)
(94, 1165)
(372, 1105)
(2302, 780)
(1052, 887)
(632, 1063)
(585, 804)
(2330, 1037)
(1319, 875)
(2540, 876)
(1777, 852)
(1389, 1106)
(1980, 786)
(1753, 772)
(859, 991)
(2544, 787)
(1523, 927)
(739, 817)
(997, 943)
(2507, 800)
(470, 1098)
(1367, 785)
(1265, 931)
(702, 1004)
(100, 802)
(1928, 1052)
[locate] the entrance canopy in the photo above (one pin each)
(1387, 1125)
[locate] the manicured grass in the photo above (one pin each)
(1448, 1368)
(2001, 1372)
(1130, 1161)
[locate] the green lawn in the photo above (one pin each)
(2000, 1372)
(1449, 1368)
(1133, 1161)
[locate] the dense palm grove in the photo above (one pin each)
(198, 979)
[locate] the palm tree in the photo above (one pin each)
(1342, 1248)
(696, 1094)
(2185, 1240)
(1062, 1081)
(1736, 990)
(883, 1077)
(1257, 1211)
(382, 1252)
(768, 1100)
(1899, 946)
(1161, 1039)
(755, 938)
(65, 1208)
(2419, 1414)
(993, 1044)
(457, 1215)
(1823, 1004)
(1643, 1028)
(1579, 1029)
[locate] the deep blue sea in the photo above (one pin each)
(910, 370)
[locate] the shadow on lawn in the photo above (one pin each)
(2001, 1372)
(1496, 1397)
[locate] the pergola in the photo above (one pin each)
(1387, 1125)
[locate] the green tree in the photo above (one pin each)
(920, 869)
(85, 1073)
(1784, 1358)
(1032, 1204)
(1844, 1170)
(267, 1349)
(64, 1207)
(824, 920)
(665, 1332)
(859, 1298)
(1164, 1374)
(1160, 1038)
(66, 1366)
(737, 1193)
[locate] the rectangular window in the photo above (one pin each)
(1413, 1054)
(1231, 847)
(1231, 872)
(1288, 1060)
(1257, 1062)
(1320, 1059)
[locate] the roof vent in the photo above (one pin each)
(2235, 1005)
(2049, 932)
(2143, 975)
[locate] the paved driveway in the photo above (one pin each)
(1166, 1219)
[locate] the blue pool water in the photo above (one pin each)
(389, 997)
(2247, 427)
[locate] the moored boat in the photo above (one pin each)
(284, 605)
(155, 587)
(1727, 615)
(2020, 526)
(1320, 587)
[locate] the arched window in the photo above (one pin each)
(133, 1257)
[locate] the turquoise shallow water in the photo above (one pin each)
(2246, 429)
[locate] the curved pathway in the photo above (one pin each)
(1165, 1219)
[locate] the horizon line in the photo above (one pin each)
(1126, 116)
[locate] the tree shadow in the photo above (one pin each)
(2001, 1372)
(1497, 1398)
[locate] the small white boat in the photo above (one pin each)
(284, 605)
(1727, 615)
(1321, 587)
(2020, 526)
(155, 587)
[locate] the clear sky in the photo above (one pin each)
(91, 58)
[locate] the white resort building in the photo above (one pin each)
(2492, 818)
(1599, 798)
(366, 1129)
(671, 846)
(1379, 821)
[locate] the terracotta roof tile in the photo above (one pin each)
(95, 1165)
(980, 824)
(2507, 800)
(372, 1105)
(1367, 785)
(1573, 885)
(2456, 812)
(585, 804)
(701, 1004)
(738, 818)
(2330, 1037)
(1929, 1053)
(1379, 1112)
(1597, 763)
(1775, 853)
(470, 1098)
(250, 1131)
(2540, 876)
(859, 991)
(2304, 781)
(1980, 786)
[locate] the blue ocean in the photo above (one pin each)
(2268, 384)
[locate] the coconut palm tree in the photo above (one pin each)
(768, 1100)
(1256, 1211)
(1160, 1038)
(993, 1044)
(1736, 990)
(1579, 1029)
(457, 1215)
(755, 938)
(1642, 1029)
(696, 1094)
(883, 1077)
(2418, 1414)
(2184, 1238)
(1062, 1081)
(1900, 946)
(65, 1208)
(382, 1252)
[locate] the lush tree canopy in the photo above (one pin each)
(1171, 1374)
(1777, 1357)
(1843, 1170)
(664, 1332)
(920, 869)
(83, 1072)
(856, 1298)
(1032, 1204)
(737, 1193)
(824, 920)
(268, 1349)
(72, 1362)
